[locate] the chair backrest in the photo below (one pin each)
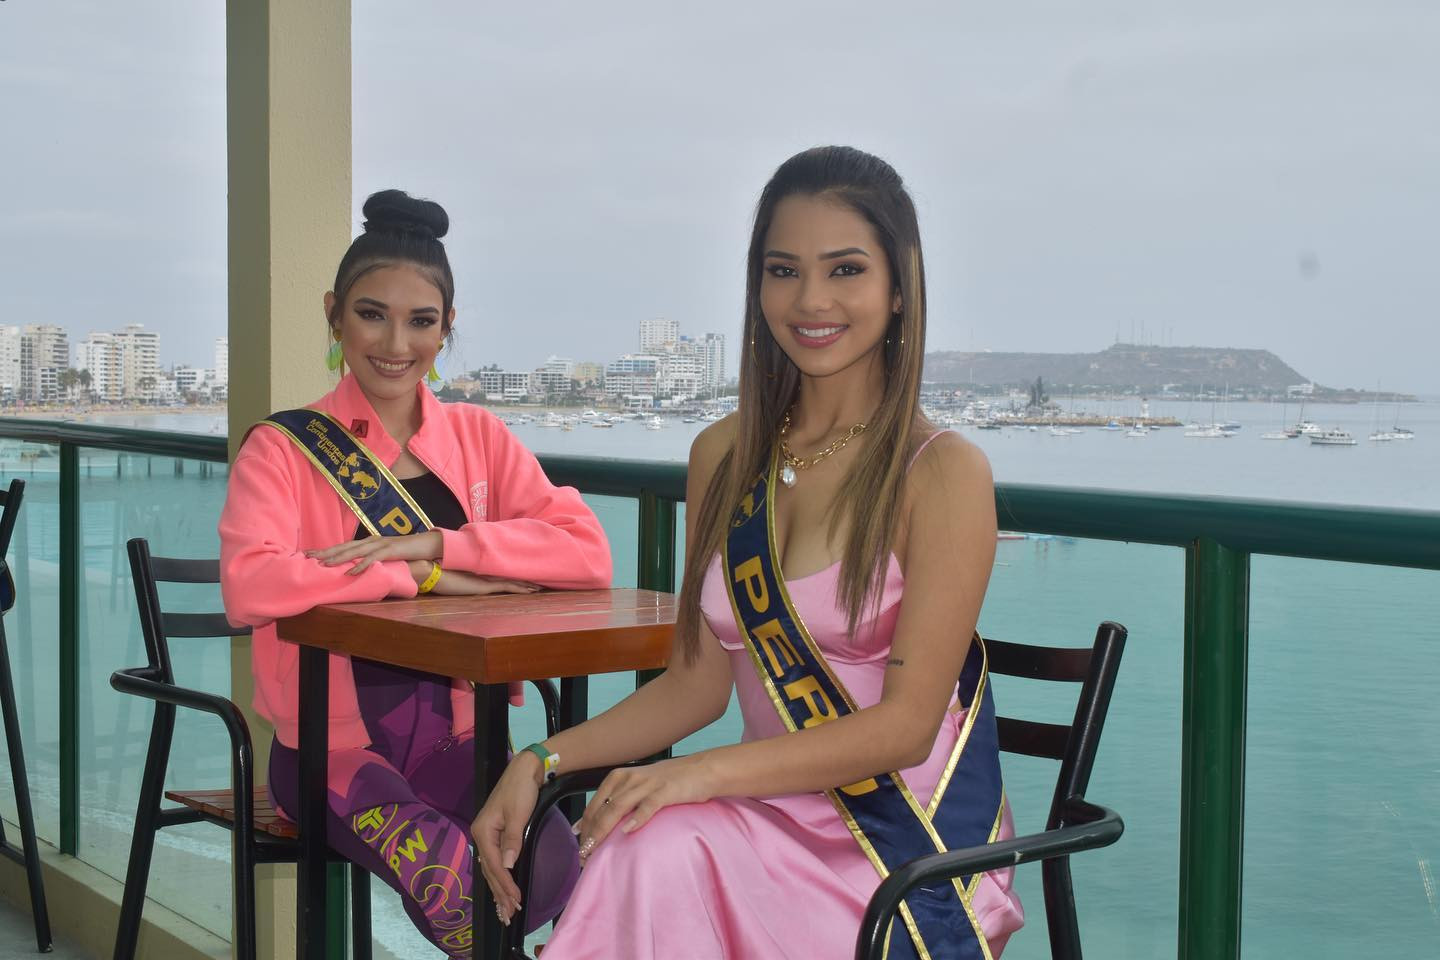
(1073, 744)
(9, 511)
(156, 625)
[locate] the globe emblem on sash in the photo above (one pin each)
(358, 483)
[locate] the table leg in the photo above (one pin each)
(492, 725)
(574, 710)
(312, 892)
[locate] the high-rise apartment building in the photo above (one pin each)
(9, 362)
(222, 361)
(100, 355)
(44, 352)
(139, 360)
(713, 348)
(555, 374)
(658, 335)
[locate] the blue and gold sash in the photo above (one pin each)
(883, 815)
(365, 484)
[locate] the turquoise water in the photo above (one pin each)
(1344, 741)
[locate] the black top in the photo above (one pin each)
(380, 685)
(434, 498)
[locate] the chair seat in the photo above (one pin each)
(220, 805)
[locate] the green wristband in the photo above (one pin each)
(548, 760)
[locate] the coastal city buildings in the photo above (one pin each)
(669, 369)
(120, 366)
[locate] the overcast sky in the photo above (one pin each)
(1226, 173)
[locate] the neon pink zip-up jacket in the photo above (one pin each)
(278, 506)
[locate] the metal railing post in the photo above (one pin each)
(70, 567)
(1212, 771)
(655, 569)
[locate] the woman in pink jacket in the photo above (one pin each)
(401, 790)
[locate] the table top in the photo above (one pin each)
(502, 637)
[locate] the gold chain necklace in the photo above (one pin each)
(791, 463)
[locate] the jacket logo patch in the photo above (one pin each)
(478, 495)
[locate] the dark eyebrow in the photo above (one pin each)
(372, 301)
(847, 252)
(781, 255)
(421, 310)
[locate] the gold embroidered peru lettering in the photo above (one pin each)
(807, 691)
(397, 521)
(777, 646)
(752, 575)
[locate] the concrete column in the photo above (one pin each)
(288, 120)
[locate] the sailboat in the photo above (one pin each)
(1280, 434)
(1376, 434)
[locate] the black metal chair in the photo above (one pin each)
(28, 855)
(269, 838)
(1074, 824)
(272, 838)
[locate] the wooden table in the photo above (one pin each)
(490, 641)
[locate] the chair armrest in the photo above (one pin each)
(1092, 826)
(564, 785)
(140, 682)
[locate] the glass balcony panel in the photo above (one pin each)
(32, 630)
(1055, 592)
(174, 504)
(1342, 761)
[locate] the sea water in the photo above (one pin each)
(1343, 747)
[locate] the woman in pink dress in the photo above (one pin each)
(839, 551)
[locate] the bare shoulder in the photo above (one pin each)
(950, 469)
(711, 445)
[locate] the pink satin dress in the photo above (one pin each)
(782, 877)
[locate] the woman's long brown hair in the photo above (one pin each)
(769, 383)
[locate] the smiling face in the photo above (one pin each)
(391, 329)
(826, 291)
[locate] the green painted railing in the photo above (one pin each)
(1219, 536)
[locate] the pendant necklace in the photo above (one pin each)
(789, 463)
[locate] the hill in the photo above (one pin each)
(1122, 366)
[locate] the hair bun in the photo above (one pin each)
(397, 211)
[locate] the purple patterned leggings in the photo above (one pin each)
(402, 808)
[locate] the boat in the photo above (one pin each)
(1211, 432)
(1401, 433)
(1332, 438)
(602, 424)
(1112, 425)
(988, 425)
(1138, 430)
(1059, 431)
(654, 423)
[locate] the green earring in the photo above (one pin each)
(433, 376)
(334, 357)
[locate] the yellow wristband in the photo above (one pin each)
(431, 580)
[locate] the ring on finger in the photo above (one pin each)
(606, 801)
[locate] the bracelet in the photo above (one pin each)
(548, 761)
(431, 580)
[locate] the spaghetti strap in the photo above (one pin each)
(921, 449)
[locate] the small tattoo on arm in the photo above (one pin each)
(894, 662)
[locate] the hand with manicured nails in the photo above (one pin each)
(499, 826)
(362, 553)
(630, 796)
